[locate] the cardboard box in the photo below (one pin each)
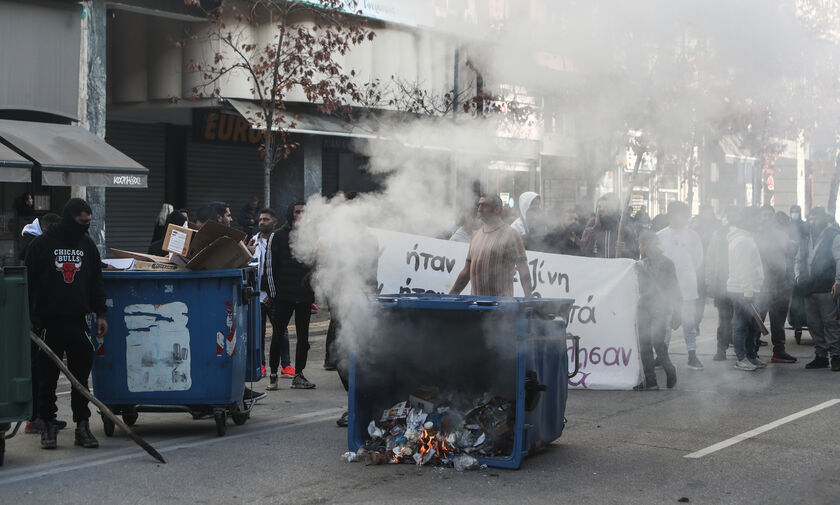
(223, 253)
(118, 253)
(145, 261)
(177, 239)
(209, 233)
(160, 267)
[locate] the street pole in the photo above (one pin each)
(95, 107)
(453, 166)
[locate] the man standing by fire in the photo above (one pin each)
(65, 285)
(495, 249)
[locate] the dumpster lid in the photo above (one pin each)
(544, 306)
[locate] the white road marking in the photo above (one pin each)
(761, 429)
(133, 452)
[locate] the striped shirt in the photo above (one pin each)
(493, 256)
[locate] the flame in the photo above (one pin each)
(429, 441)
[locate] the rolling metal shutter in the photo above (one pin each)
(226, 173)
(130, 213)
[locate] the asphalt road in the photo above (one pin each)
(618, 447)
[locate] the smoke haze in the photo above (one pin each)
(661, 66)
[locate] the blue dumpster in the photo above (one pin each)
(511, 346)
(177, 341)
(253, 360)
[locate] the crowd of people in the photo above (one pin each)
(755, 263)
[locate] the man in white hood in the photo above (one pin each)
(528, 202)
(35, 229)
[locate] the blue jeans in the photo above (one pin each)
(745, 331)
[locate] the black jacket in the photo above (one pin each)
(820, 277)
(287, 278)
(659, 291)
(65, 276)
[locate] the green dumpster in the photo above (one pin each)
(15, 366)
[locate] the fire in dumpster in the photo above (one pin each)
(453, 433)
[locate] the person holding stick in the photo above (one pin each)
(65, 285)
(746, 276)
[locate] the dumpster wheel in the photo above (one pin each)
(220, 416)
(129, 418)
(239, 417)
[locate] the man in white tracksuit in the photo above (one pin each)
(684, 248)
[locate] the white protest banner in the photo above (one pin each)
(605, 293)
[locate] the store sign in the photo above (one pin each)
(215, 126)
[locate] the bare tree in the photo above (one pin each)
(303, 54)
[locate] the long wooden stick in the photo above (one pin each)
(87, 394)
(758, 320)
(619, 244)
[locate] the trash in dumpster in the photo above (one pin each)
(213, 247)
(453, 436)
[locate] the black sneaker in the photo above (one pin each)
(61, 424)
(670, 376)
(84, 437)
(251, 395)
(818, 362)
(329, 365)
(342, 421)
(694, 363)
(719, 356)
(272, 382)
(646, 386)
(782, 357)
(49, 436)
(835, 364)
(300, 382)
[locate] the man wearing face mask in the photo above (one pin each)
(818, 279)
(65, 284)
(598, 241)
(797, 232)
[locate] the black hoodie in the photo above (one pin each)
(288, 279)
(65, 270)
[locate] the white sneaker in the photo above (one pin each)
(745, 365)
(757, 362)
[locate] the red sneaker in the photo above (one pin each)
(288, 372)
(33, 427)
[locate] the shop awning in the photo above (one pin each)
(316, 124)
(14, 167)
(72, 156)
(305, 123)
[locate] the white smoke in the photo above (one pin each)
(658, 65)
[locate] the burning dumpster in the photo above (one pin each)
(459, 380)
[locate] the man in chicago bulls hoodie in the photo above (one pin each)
(65, 284)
